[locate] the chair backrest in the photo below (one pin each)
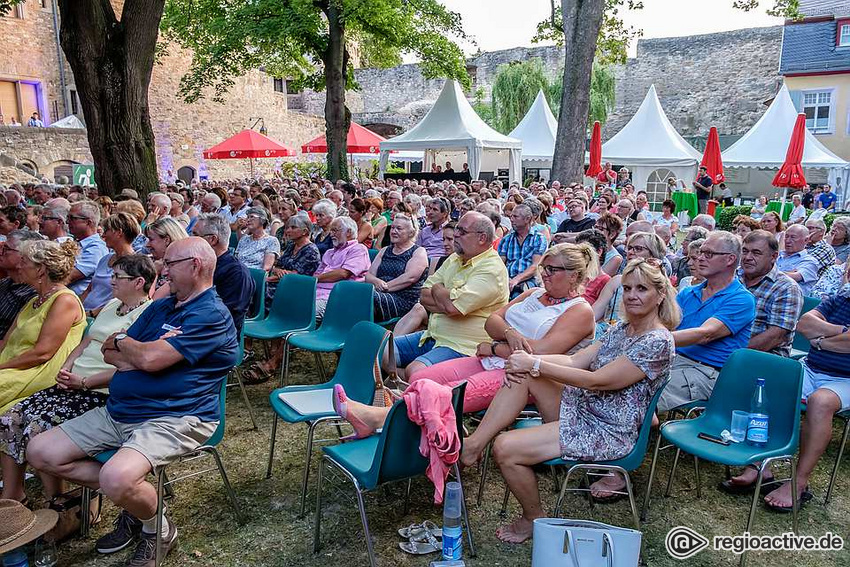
(372, 253)
(349, 303)
(294, 303)
(636, 456)
(801, 343)
(234, 240)
(218, 434)
(363, 348)
(734, 387)
(258, 302)
(397, 456)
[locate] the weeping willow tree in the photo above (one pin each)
(516, 85)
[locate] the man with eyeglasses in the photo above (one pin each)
(796, 261)
(13, 295)
(717, 318)
(53, 222)
(83, 220)
(577, 221)
(817, 247)
(164, 401)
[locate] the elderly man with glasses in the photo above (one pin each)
(796, 261)
(817, 247)
(717, 318)
(13, 294)
(53, 223)
(83, 220)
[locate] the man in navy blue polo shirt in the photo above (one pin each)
(717, 316)
(163, 400)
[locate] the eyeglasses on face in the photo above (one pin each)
(709, 254)
(460, 231)
(637, 248)
(169, 263)
(550, 270)
(122, 277)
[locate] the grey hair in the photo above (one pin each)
(216, 224)
(708, 219)
(696, 232)
(534, 205)
(326, 207)
(214, 199)
(88, 209)
(414, 201)
(24, 234)
(731, 242)
(260, 212)
(161, 200)
(527, 207)
(302, 222)
(817, 223)
(348, 224)
(845, 222)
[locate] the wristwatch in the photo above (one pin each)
(118, 337)
(535, 368)
(83, 386)
(817, 341)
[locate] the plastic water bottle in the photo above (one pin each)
(757, 428)
(452, 529)
(16, 558)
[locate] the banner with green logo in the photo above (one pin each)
(84, 174)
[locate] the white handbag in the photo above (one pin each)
(581, 543)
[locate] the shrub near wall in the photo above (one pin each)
(728, 214)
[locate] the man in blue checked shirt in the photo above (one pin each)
(521, 250)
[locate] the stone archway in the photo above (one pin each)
(186, 174)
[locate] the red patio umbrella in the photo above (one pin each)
(791, 172)
(360, 140)
(248, 144)
(711, 158)
(595, 166)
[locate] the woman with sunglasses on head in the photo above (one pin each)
(553, 319)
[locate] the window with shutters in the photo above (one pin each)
(819, 108)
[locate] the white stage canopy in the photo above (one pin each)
(452, 124)
(652, 149)
(537, 130)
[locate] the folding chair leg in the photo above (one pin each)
(245, 398)
(834, 476)
(756, 496)
(160, 485)
(311, 427)
(168, 492)
(271, 446)
(85, 504)
(320, 366)
(645, 510)
(407, 496)
(795, 505)
(504, 511)
(225, 481)
(367, 534)
(632, 503)
(672, 472)
(317, 524)
(485, 466)
(696, 474)
(562, 493)
(284, 373)
(472, 552)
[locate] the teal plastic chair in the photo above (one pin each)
(372, 253)
(844, 416)
(235, 374)
(257, 310)
(733, 390)
(624, 465)
(293, 310)
(163, 484)
(390, 456)
(348, 304)
(234, 240)
(363, 349)
(801, 345)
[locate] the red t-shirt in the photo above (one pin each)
(594, 287)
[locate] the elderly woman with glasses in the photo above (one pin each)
(82, 381)
(399, 270)
(553, 319)
(325, 211)
(257, 249)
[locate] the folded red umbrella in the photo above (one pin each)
(248, 144)
(360, 140)
(711, 158)
(595, 166)
(791, 172)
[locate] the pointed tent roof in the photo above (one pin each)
(649, 139)
(766, 143)
(537, 130)
(450, 124)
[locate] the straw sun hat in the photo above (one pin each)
(21, 525)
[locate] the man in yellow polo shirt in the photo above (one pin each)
(470, 285)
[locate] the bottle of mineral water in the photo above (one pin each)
(452, 529)
(757, 428)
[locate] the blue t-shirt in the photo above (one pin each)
(827, 199)
(733, 306)
(190, 387)
(835, 310)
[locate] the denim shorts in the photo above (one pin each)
(407, 350)
(814, 380)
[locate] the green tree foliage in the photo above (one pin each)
(516, 85)
(311, 42)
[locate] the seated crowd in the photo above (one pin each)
(119, 320)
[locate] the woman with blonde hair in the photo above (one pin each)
(49, 326)
(161, 233)
(592, 403)
(553, 319)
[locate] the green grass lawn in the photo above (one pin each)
(273, 535)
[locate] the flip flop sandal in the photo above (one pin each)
(609, 499)
(421, 547)
(736, 489)
(804, 497)
(418, 531)
(255, 375)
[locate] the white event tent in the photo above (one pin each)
(764, 146)
(652, 149)
(451, 126)
(537, 130)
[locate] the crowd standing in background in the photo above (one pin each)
(583, 299)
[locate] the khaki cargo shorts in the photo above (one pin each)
(689, 381)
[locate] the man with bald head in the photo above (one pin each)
(163, 402)
(470, 285)
(796, 261)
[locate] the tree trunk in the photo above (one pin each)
(337, 115)
(112, 62)
(582, 21)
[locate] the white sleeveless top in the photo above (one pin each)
(532, 319)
